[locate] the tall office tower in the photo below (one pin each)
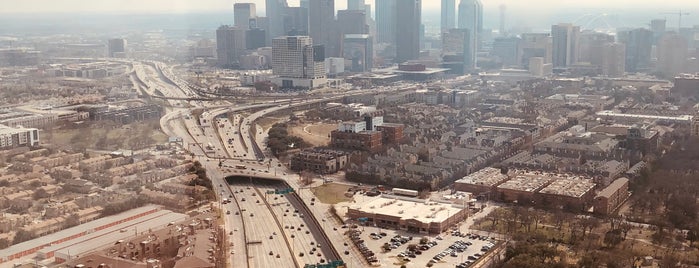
(503, 8)
(536, 45)
(591, 44)
(613, 59)
(242, 13)
(566, 38)
(448, 14)
(275, 10)
(116, 48)
(657, 26)
(408, 30)
(672, 54)
(508, 50)
(639, 45)
(357, 49)
(255, 38)
(321, 26)
(304, 3)
(455, 50)
(230, 43)
(471, 18)
(351, 22)
(297, 62)
(296, 21)
(386, 21)
(356, 5)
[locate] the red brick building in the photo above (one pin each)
(391, 133)
(363, 140)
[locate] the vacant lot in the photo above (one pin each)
(331, 193)
(107, 136)
(314, 134)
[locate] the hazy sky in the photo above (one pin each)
(184, 6)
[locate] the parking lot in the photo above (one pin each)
(453, 249)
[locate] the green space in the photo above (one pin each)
(106, 135)
(331, 193)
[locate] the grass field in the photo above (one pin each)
(314, 134)
(331, 193)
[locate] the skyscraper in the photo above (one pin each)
(386, 21)
(275, 10)
(672, 54)
(536, 45)
(230, 42)
(296, 21)
(351, 22)
(356, 5)
(613, 59)
(242, 13)
(639, 45)
(591, 44)
(657, 26)
(117, 48)
(508, 50)
(297, 62)
(358, 52)
(321, 24)
(448, 14)
(408, 30)
(566, 39)
(471, 18)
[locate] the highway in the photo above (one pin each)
(214, 138)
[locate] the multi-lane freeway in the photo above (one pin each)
(276, 231)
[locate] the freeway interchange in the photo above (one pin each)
(263, 229)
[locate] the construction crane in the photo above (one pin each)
(679, 15)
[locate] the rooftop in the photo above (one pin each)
(488, 177)
(529, 182)
(423, 211)
(613, 187)
(569, 187)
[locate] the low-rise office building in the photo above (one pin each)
(410, 214)
(611, 198)
(319, 161)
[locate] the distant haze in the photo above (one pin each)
(536, 15)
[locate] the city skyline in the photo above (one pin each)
(188, 6)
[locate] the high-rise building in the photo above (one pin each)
(117, 47)
(408, 30)
(297, 62)
(566, 39)
(613, 59)
(321, 26)
(591, 44)
(455, 45)
(352, 22)
(536, 45)
(242, 13)
(657, 26)
(357, 49)
(230, 43)
(275, 10)
(304, 3)
(386, 21)
(356, 5)
(448, 15)
(639, 45)
(672, 54)
(255, 38)
(296, 21)
(507, 50)
(471, 18)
